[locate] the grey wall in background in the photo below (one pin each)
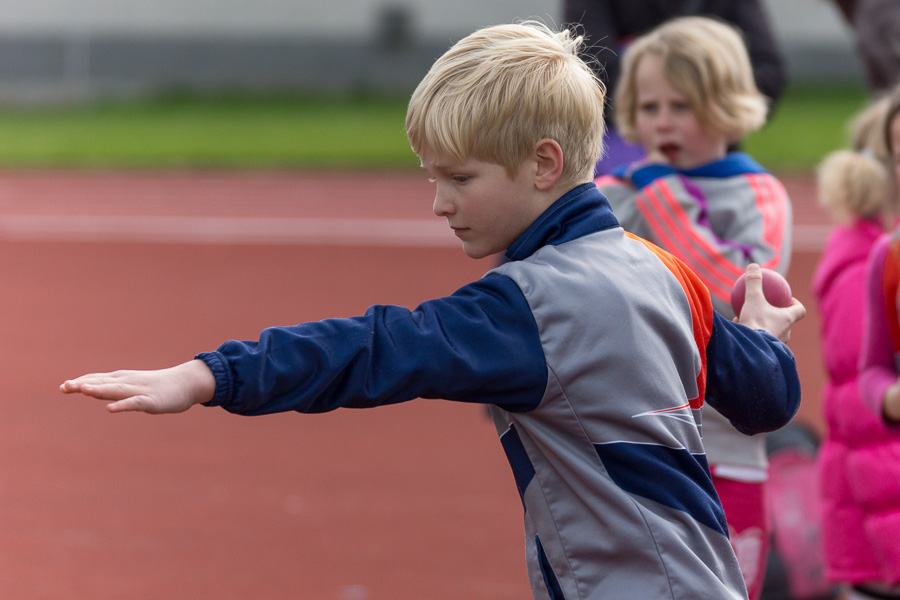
(63, 50)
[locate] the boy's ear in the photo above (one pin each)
(548, 156)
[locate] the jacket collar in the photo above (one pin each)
(733, 164)
(579, 212)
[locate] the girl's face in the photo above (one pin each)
(667, 125)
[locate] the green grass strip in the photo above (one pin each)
(807, 124)
(217, 132)
(320, 132)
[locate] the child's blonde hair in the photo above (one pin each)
(852, 185)
(867, 129)
(858, 183)
(890, 113)
(706, 60)
(500, 90)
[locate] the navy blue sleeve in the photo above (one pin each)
(479, 345)
(751, 377)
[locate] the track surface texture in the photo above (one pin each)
(107, 270)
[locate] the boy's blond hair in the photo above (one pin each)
(852, 185)
(500, 90)
(706, 60)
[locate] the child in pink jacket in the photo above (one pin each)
(852, 185)
(860, 466)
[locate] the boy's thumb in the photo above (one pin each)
(753, 283)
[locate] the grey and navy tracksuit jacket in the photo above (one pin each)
(593, 349)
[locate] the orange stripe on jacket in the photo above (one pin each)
(664, 228)
(717, 272)
(701, 308)
(718, 266)
(891, 286)
(770, 198)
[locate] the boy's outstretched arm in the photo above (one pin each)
(171, 390)
(757, 313)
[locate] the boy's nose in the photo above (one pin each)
(442, 207)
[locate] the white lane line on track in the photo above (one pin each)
(267, 230)
(228, 230)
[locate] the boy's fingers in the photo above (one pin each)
(134, 403)
(115, 385)
(75, 385)
(70, 386)
(798, 311)
(141, 403)
(795, 311)
(103, 389)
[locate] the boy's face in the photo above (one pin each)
(667, 125)
(485, 208)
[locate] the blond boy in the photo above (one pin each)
(590, 346)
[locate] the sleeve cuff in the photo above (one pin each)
(222, 374)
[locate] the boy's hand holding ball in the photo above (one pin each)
(775, 288)
(761, 299)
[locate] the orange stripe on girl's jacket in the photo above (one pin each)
(662, 231)
(771, 200)
(773, 203)
(891, 286)
(701, 308)
(716, 272)
(721, 267)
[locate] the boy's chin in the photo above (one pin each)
(475, 255)
(479, 252)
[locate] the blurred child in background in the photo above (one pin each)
(853, 187)
(872, 564)
(685, 94)
(611, 25)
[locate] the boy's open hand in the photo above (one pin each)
(170, 390)
(757, 313)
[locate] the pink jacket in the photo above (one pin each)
(858, 467)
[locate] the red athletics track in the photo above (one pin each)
(136, 270)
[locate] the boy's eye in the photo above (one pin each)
(681, 106)
(460, 178)
(648, 108)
